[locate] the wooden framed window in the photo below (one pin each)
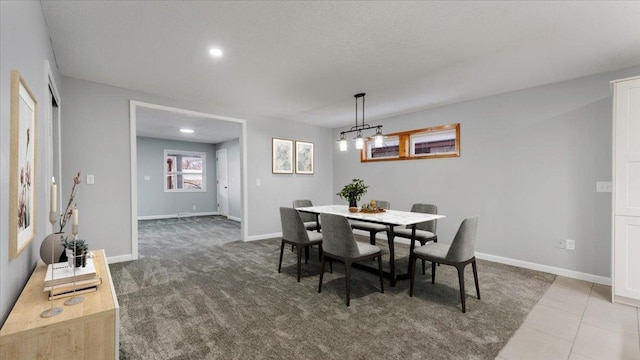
(390, 149)
(434, 142)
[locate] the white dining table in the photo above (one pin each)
(390, 218)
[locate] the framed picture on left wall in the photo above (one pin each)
(282, 156)
(22, 165)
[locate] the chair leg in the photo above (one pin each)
(423, 260)
(475, 278)
(319, 252)
(381, 274)
(299, 248)
(291, 247)
(331, 266)
(347, 266)
(461, 281)
(281, 251)
(321, 274)
(433, 272)
(412, 261)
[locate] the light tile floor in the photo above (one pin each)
(576, 320)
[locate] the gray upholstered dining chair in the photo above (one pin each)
(308, 219)
(425, 231)
(459, 254)
(372, 228)
(341, 245)
(294, 233)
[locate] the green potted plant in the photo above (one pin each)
(76, 249)
(353, 192)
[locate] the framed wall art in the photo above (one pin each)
(282, 156)
(304, 157)
(22, 165)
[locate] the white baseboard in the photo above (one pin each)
(263, 236)
(234, 218)
(178, 215)
(514, 262)
(627, 301)
(546, 268)
(119, 258)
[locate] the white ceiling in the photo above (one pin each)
(304, 61)
(162, 124)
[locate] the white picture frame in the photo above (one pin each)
(281, 156)
(304, 158)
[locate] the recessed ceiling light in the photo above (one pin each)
(186, 131)
(215, 52)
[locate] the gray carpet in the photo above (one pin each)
(165, 237)
(197, 296)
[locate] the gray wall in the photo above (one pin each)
(95, 140)
(152, 199)
(281, 189)
(233, 164)
(530, 161)
(24, 47)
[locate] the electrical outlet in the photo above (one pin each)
(91, 180)
(194, 207)
(571, 244)
(560, 244)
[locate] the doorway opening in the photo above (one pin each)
(54, 162)
(222, 182)
(174, 175)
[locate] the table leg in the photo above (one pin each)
(318, 222)
(392, 260)
(413, 246)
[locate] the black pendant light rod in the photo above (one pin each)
(362, 126)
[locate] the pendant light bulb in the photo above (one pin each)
(343, 145)
(343, 142)
(378, 138)
(359, 141)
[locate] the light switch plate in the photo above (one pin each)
(147, 177)
(604, 186)
(90, 180)
(571, 244)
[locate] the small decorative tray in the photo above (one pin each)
(372, 211)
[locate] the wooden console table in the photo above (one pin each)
(88, 330)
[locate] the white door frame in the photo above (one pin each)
(50, 86)
(133, 105)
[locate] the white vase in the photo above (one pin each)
(53, 240)
(70, 258)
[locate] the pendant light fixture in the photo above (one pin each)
(343, 142)
(358, 128)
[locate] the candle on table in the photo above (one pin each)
(54, 195)
(75, 216)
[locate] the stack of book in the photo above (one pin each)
(62, 284)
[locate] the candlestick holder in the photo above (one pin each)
(74, 300)
(57, 310)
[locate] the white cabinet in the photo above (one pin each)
(626, 191)
(626, 254)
